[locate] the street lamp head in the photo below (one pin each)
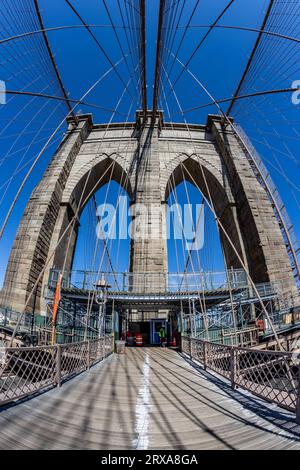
(101, 284)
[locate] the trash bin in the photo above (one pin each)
(120, 347)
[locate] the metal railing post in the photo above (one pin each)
(298, 398)
(233, 357)
(190, 344)
(205, 355)
(108, 342)
(58, 365)
(88, 353)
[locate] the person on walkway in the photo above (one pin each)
(162, 336)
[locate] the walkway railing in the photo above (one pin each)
(26, 371)
(273, 376)
(152, 282)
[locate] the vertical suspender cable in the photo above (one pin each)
(158, 55)
(143, 53)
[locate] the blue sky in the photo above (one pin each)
(26, 123)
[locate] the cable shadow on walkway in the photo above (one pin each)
(272, 413)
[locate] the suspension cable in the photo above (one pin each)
(64, 92)
(202, 41)
(265, 20)
(48, 142)
(96, 41)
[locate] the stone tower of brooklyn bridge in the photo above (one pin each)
(147, 155)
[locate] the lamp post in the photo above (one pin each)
(102, 288)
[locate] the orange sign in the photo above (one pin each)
(57, 298)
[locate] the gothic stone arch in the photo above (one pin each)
(149, 156)
(211, 178)
(239, 200)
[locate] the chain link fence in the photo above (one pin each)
(271, 375)
(26, 371)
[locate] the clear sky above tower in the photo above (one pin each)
(271, 122)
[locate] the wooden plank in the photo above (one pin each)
(188, 409)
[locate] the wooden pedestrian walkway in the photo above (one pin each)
(147, 399)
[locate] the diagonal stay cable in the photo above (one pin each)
(37, 134)
(127, 31)
(118, 41)
(105, 242)
(184, 277)
(96, 41)
(3, 184)
(21, 110)
(202, 41)
(222, 228)
(123, 183)
(244, 143)
(48, 142)
(59, 79)
(186, 28)
(61, 238)
(257, 42)
(9, 22)
(91, 298)
(203, 200)
(176, 29)
(200, 291)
